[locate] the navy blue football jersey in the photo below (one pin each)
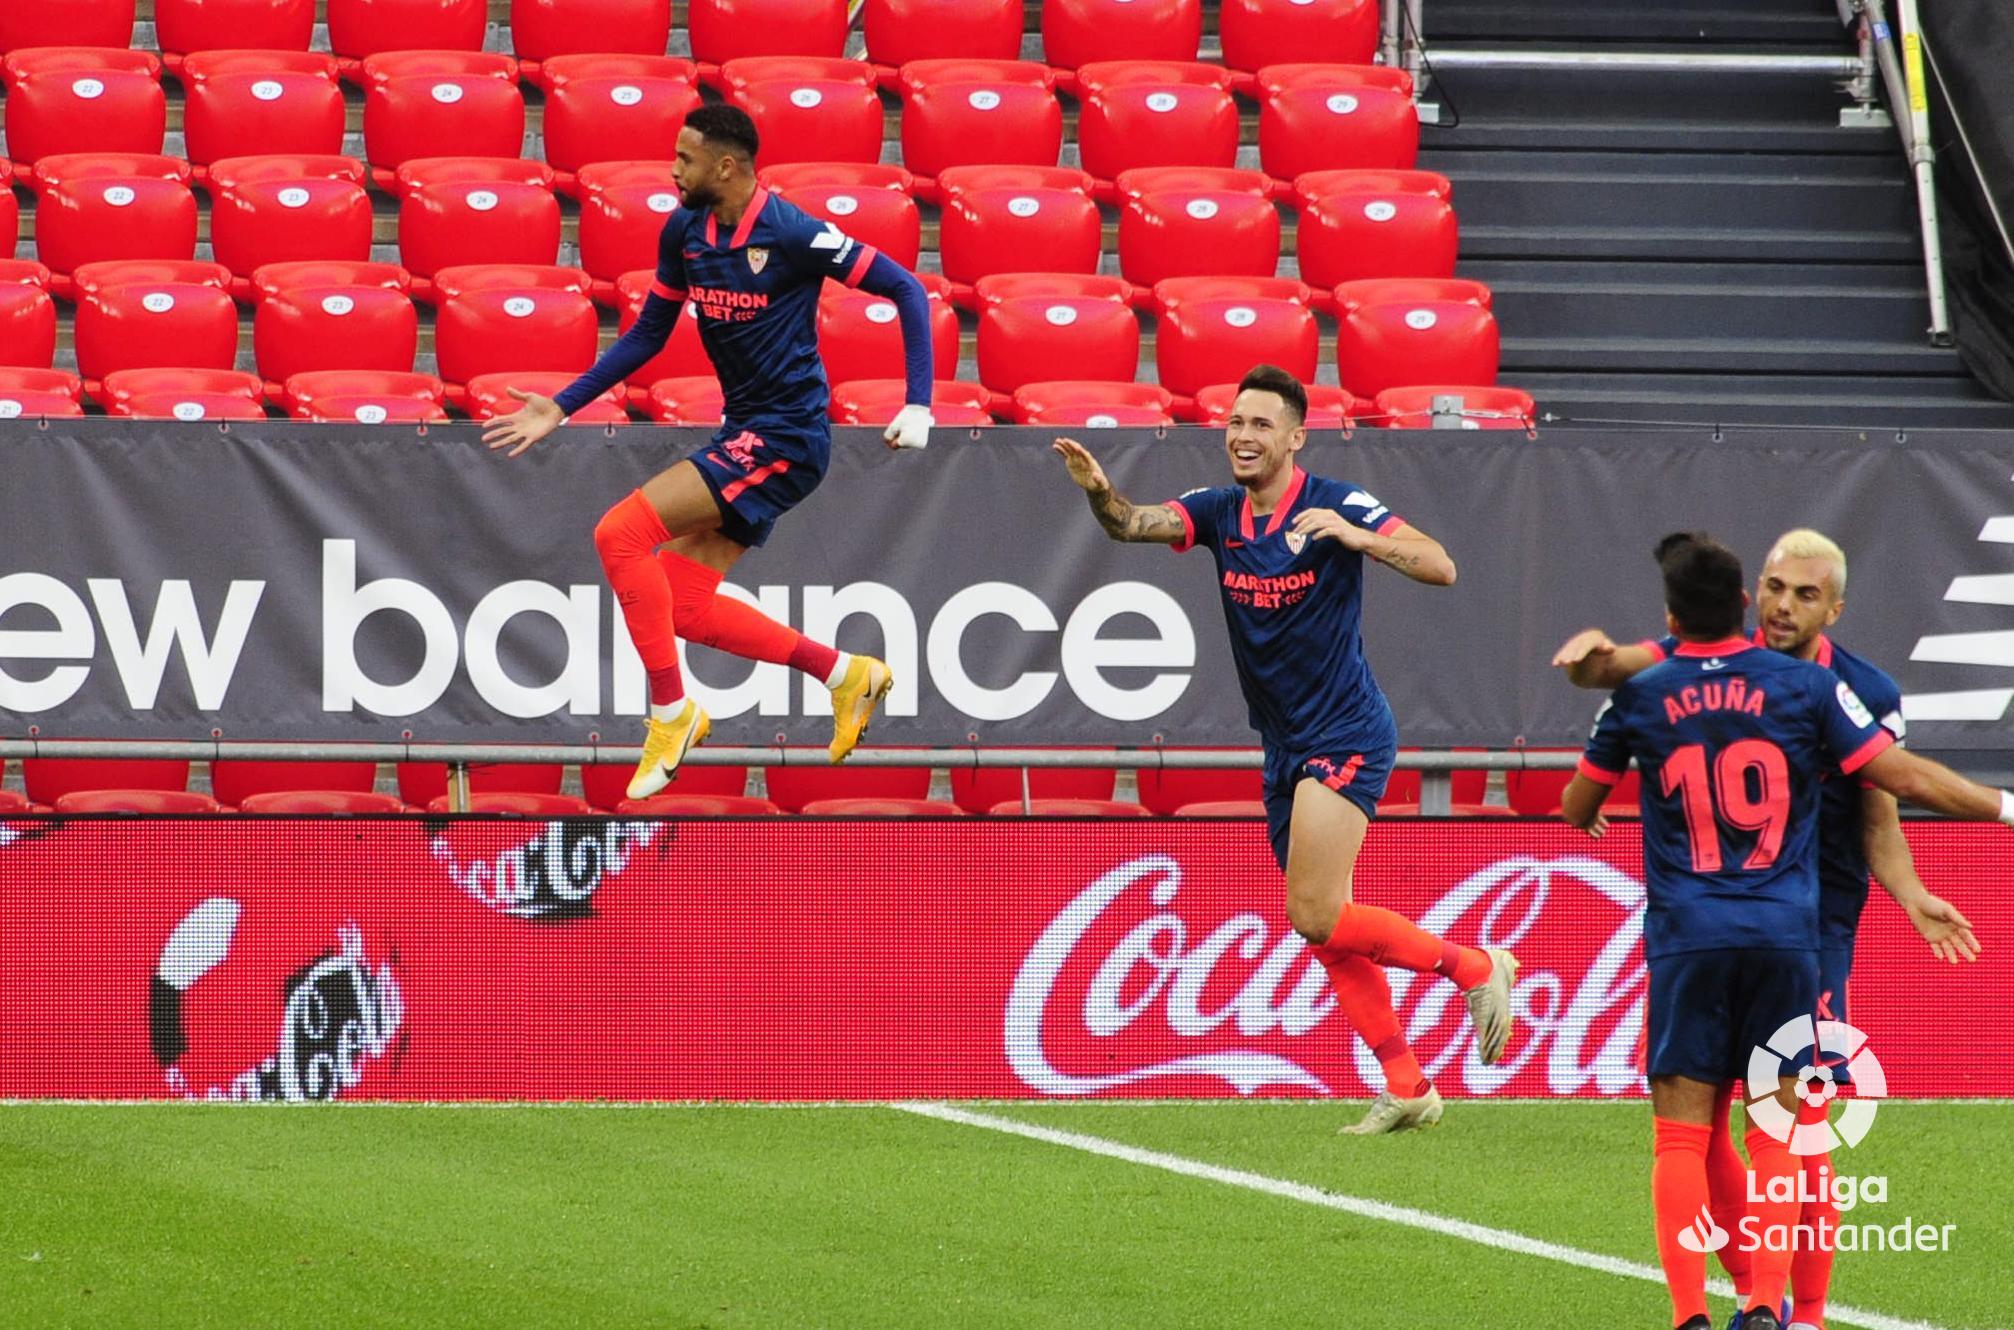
(1842, 849)
(755, 294)
(1733, 742)
(1293, 606)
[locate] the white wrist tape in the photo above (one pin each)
(2007, 808)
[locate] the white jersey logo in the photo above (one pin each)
(830, 238)
(1849, 702)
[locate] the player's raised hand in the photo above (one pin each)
(1084, 468)
(1328, 524)
(1948, 932)
(910, 428)
(1588, 643)
(538, 417)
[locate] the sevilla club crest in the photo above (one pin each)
(757, 257)
(1297, 541)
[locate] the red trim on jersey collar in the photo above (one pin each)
(1726, 647)
(1823, 656)
(1279, 513)
(748, 216)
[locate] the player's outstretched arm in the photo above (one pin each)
(1580, 805)
(1937, 920)
(1592, 659)
(1405, 548)
(540, 416)
(1932, 785)
(1155, 524)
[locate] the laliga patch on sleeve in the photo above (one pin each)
(1849, 702)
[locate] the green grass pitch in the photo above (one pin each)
(745, 1216)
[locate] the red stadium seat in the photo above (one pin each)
(334, 327)
(66, 23)
(955, 116)
(27, 327)
(141, 325)
(801, 121)
(284, 222)
(870, 807)
(1066, 808)
(724, 30)
(119, 389)
(605, 785)
(1258, 33)
(414, 175)
(507, 331)
(75, 59)
(1196, 222)
(1040, 327)
(980, 789)
(615, 117)
(876, 401)
(698, 805)
(1215, 329)
(1077, 32)
(24, 272)
(42, 382)
(1178, 789)
(238, 113)
(487, 396)
(182, 26)
(12, 802)
(797, 789)
(689, 400)
(55, 110)
(369, 409)
(428, 115)
(1000, 219)
(137, 801)
(48, 779)
(1328, 408)
(1333, 117)
(741, 74)
(420, 783)
(518, 803)
(319, 803)
(277, 277)
(1155, 113)
(73, 167)
(873, 206)
(623, 209)
(16, 404)
(1536, 793)
(262, 168)
(380, 69)
(443, 225)
(338, 392)
(563, 69)
(190, 407)
(359, 28)
(1482, 407)
(1357, 228)
(899, 31)
(1087, 402)
(95, 277)
(683, 356)
(542, 29)
(113, 217)
(1254, 809)
(1391, 333)
(10, 213)
(919, 74)
(466, 278)
(860, 336)
(1314, 186)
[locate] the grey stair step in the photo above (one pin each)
(1647, 197)
(1459, 162)
(1707, 355)
(1547, 241)
(1629, 133)
(1716, 21)
(1596, 97)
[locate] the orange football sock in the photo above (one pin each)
(1678, 1199)
(1811, 1263)
(714, 620)
(627, 539)
(1365, 999)
(1727, 1189)
(1386, 938)
(1777, 1172)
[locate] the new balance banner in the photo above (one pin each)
(479, 959)
(295, 582)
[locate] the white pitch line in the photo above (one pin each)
(1502, 1239)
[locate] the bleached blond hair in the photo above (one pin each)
(1804, 543)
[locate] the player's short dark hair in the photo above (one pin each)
(728, 127)
(1273, 379)
(1702, 584)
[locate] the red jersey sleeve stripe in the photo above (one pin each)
(858, 272)
(1188, 527)
(668, 292)
(1654, 647)
(1599, 775)
(1867, 752)
(1390, 524)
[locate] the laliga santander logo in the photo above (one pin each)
(1815, 1084)
(1702, 1235)
(1128, 979)
(336, 1016)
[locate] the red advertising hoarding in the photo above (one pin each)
(437, 959)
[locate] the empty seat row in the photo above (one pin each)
(1255, 33)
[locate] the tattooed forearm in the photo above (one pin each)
(1123, 520)
(1398, 557)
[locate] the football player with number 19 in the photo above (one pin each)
(1290, 550)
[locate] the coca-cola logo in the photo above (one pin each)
(1132, 981)
(551, 876)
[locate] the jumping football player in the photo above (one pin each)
(1802, 592)
(752, 266)
(1290, 550)
(1732, 741)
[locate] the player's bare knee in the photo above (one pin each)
(1312, 912)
